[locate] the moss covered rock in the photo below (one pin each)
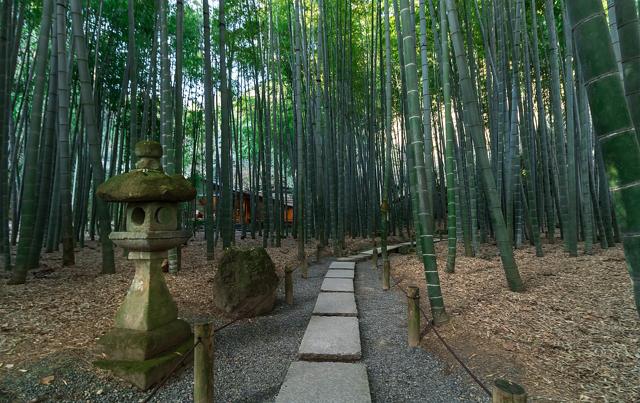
(245, 284)
(143, 185)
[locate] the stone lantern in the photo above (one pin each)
(148, 338)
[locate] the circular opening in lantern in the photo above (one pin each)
(137, 216)
(163, 215)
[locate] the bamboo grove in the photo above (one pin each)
(512, 122)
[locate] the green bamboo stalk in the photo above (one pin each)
(5, 95)
(29, 204)
(612, 124)
(224, 212)
(542, 127)
(449, 145)
(628, 25)
(415, 146)
(571, 235)
(208, 127)
(93, 138)
(558, 128)
(473, 124)
(64, 159)
(387, 143)
(300, 180)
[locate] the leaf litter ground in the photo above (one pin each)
(572, 335)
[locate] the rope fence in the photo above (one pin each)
(447, 346)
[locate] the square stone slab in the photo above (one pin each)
(343, 265)
(336, 304)
(339, 273)
(354, 258)
(308, 382)
(337, 285)
(333, 338)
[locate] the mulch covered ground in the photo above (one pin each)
(572, 335)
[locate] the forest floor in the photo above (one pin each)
(572, 335)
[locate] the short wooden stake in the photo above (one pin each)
(413, 322)
(374, 254)
(203, 363)
(386, 274)
(288, 285)
(305, 268)
(318, 252)
(508, 392)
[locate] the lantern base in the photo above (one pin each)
(147, 373)
(137, 345)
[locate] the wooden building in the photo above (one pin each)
(242, 206)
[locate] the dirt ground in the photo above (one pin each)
(572, 335)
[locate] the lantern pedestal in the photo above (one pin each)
(147, 373)
(148, 337)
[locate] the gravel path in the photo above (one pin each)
(398, 373)
(252, 358)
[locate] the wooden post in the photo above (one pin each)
(318, 252)
(508, 392)
(305, 268)
(203, 363)
(386, 274)
(413, 322)
(374, 254)
(288, 285)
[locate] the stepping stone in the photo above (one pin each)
(339, 273)
(355, 258)
(343, 265)
(336, 304)
(337, 285)
(333, 338)
(310, 382)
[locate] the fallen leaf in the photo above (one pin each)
(9, 366)
(47, 380)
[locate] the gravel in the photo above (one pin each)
(252, 358)
(398, 373)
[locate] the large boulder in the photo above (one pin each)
(246, 283)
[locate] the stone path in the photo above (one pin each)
(367, 254)
(328, 369)
(336, 304)
(338, 363)
(337, 285)
(325, 382)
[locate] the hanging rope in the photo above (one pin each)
(453, 353)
